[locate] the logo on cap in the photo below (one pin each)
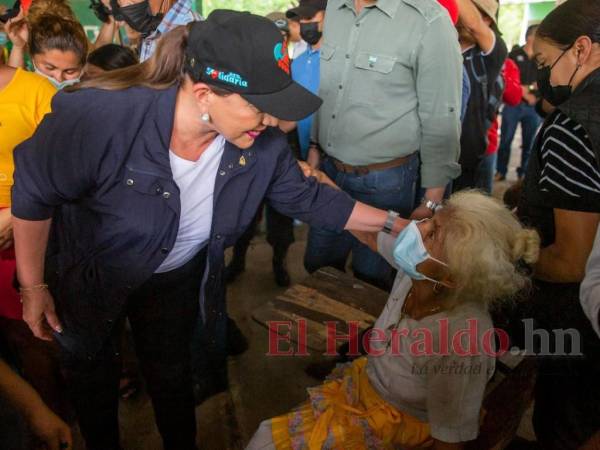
(235, 79)
(282, 57)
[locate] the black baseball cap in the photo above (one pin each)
(306, 9)
(246, 54)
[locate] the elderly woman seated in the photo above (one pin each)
(432, 350)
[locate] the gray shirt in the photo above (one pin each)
(391, 81)
(442, 388)
(590, 287)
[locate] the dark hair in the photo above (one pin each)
(111, 57)
(165, 68)
(571, 20)
(531, 29)
(51, 32)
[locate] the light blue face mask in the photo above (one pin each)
(410, 251)
(57, 84)
(3, 38)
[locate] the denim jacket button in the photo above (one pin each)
(166, 195)
(130, 182)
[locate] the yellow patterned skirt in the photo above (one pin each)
(346, 413)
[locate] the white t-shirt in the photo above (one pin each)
(196, 182)
(445, 391)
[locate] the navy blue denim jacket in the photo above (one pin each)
(99, 166)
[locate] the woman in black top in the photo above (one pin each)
(561, 198)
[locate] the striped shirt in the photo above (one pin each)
(181, 13)
(569, 168)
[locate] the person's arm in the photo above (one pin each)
(314, 157)
(472, 20)
(370, 219)
(59, 164)
(31, 241)
(6, 231)
(106, 34)
(18, 33)
(439, 109)
(322, 206)
(53, 432)
(564, 261)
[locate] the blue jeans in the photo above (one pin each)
(385, 189)
(484, 175)
(530, 122)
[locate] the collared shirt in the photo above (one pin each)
(181, 13)
(305, 71)
(98, 165)
(391, 81)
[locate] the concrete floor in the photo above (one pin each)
(261, 386)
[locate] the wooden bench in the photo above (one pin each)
(329, 295)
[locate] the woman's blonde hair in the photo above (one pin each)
(486, 248)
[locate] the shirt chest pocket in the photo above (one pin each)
(375, 63)
(378, 77)
(148, 184)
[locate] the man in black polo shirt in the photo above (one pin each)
(524, 113)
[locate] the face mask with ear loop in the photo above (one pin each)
(57, 84)
(310, 32)
(555, 95)
(410, 251)
(138, 16)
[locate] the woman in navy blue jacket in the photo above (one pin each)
(131, 189)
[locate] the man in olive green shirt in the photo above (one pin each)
(391, 82)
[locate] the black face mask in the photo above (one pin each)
(310, 32)
(555, 95)
(139, 17)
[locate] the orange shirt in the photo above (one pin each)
(23, 104)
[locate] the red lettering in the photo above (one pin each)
(302, 338)
(471, 333)
(275, 337)
(372, 336)
(426, 343)
(333, 338)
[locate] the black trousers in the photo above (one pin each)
(162, 313)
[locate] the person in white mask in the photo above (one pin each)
(56, 42)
